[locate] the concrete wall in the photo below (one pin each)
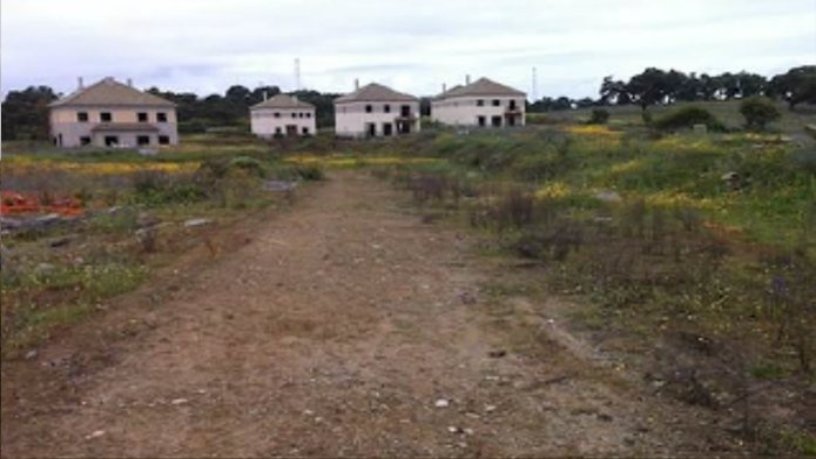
(351, 119)
(65, 124)
(265, 124)
(465, 111)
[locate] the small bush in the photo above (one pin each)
(687, 117)
(312, 172)
(758, 112)
(599, 116)
(248, 164)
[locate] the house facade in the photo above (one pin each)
(483, 103)
(112, 114)
(375, 110)
(282, 115)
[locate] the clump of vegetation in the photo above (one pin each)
(599, 116)
(758, 112)
(687, 117)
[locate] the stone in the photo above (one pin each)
(608, 196)
(279, 185)
(95, 434)
(442, 403)
(31, 354)
(179, 401)
(193, 222)
(44, 269)
(497, 354)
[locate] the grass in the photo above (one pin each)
(700, 244)
(792, 122)
(116, 247)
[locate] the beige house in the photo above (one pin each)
(375, 110)
(112, 114)
(282, 115)
(483, 103)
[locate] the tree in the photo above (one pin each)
(751, 84)
(648, 88)
(613, 92)
(758, 112)
(796, 86)
(25, 113)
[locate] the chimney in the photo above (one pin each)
(467, 79)
(81, 84)
(109, 80)
(130, 82)
(444, 87)
(266, 95)
(356, 84)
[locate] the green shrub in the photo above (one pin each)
(248, 164)
(687, 117)
(599, 116)
(758, 112)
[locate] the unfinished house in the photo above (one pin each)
(375, 111)
(282, 116)
(112, 114)
(483, 103)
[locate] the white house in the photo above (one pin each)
(282, 115)
(483, 103)
(375, 110)
(112, 114)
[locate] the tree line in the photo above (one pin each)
(655, 86)
(25, 112)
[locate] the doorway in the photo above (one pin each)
(495, 121)
(388, 129)
(371, 129)
(291, 129)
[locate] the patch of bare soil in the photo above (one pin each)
(346, 327)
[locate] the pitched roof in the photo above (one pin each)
(375, 92)
(282, 101)
(109, 92)
(481, 87)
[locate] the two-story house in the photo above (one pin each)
(111, 114)
(282, 115)
(375, 110)
(483, 103)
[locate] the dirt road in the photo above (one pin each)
(344, 327)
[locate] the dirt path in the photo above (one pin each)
(335, 331)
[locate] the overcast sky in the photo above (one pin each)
(207, 45)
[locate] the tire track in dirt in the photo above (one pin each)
(334, 332)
